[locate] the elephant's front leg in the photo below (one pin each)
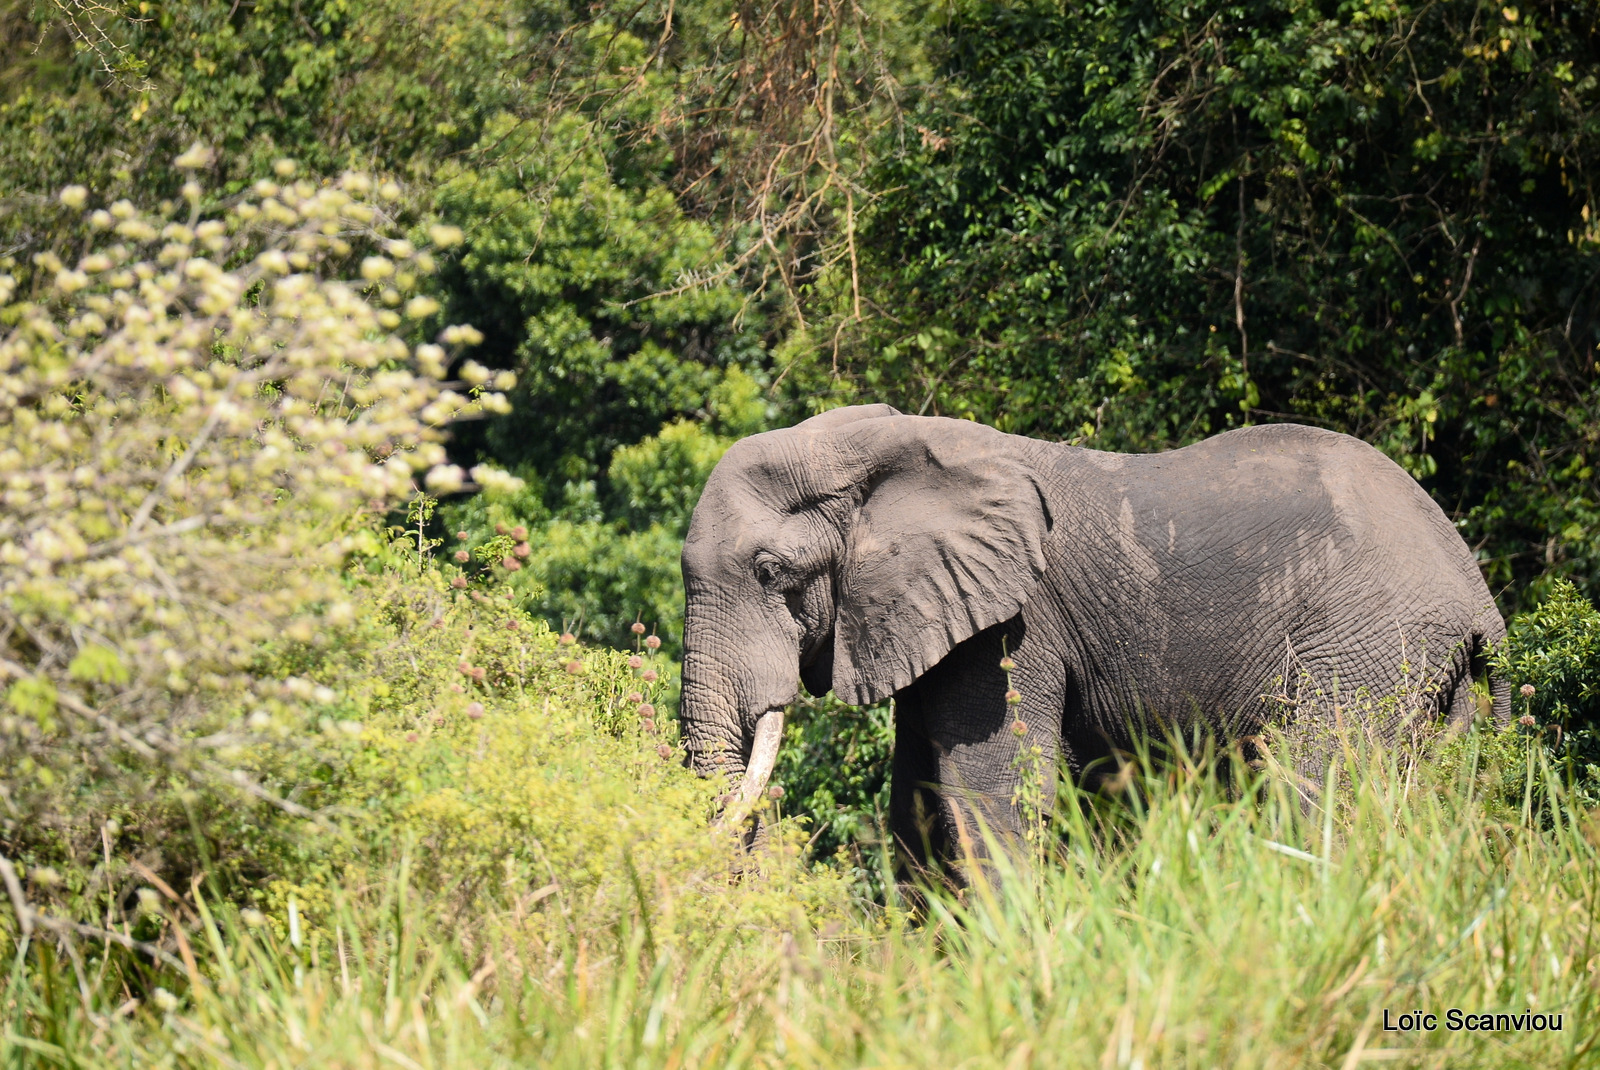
(968, 763)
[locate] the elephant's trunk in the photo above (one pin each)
(720, 740)
(709, 715)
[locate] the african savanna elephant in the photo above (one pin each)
(880, 554)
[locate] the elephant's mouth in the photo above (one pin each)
(758, 770)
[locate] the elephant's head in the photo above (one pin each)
(851, 552)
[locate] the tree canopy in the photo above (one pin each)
(1128, 224)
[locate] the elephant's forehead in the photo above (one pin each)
(724, 527)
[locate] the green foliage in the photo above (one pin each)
(335, 84)
(1554, 648)
(834, 768)
(195, 413)
(1495, 761)
(439, 728)
(499, 757)
(610, 579)
(1142, 222)
(1551, 657)
(1205, 922)
(606, 573)
(587, 287)
(657, 481)
(543, 133)
(220, 672)
(637, 351)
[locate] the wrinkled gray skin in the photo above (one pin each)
(879, 554)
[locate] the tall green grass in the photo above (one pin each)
(1203, 918)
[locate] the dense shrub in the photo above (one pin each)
(334, 84)
(505, 763)
(194, 412)
(600, 565)
(590, 289)
(222, 671)
(217, 667)
(1551, 656)
(834, 768)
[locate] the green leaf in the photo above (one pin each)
(35, 698)
(97, 664)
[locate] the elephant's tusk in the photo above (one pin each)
(763, 759)
(763, 756)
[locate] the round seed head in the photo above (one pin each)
(475, 710)
(1013, 697)
(664, 751)
(1527, 690)
(637, 627)
(462, 556)
(653, 642)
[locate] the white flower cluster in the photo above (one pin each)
(191, 414)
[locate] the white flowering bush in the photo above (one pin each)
(199, 418)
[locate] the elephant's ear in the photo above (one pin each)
(948, 540)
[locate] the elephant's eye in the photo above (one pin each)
(768, 572)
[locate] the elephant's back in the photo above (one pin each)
(1279, 539)
(1373, 509)
(1320, 486)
